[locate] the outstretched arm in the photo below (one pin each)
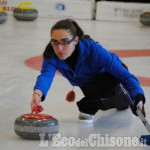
(43, 83)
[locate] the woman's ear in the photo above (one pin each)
(76, 40)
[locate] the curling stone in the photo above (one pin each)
(31, 126)
(3, 16)
(145, 18)
(23, 13)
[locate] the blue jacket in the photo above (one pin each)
(93, 59)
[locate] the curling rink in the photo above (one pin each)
(21, 41)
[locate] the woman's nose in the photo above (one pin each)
(60, 47)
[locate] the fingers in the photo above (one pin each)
(35, 101)
(133, 108)
(141, 106)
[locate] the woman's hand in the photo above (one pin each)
(36, 99)
(138, 102)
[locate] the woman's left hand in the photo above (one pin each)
(138, 102)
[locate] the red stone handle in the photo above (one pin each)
(37, 109)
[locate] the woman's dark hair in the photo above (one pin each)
(72, 27)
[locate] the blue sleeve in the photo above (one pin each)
(45, 79)
(113, 65)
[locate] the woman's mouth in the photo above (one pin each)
(61, 54)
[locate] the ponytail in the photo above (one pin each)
(72, 26)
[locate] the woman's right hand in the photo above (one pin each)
(36, 99)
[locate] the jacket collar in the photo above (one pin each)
(84, 52)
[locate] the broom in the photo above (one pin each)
(145, 139)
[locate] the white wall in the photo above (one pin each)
(120, 11)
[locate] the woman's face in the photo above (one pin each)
(63, 43)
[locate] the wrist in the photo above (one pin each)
(138, 98)
(37, 93)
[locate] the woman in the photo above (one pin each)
(85, 63)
